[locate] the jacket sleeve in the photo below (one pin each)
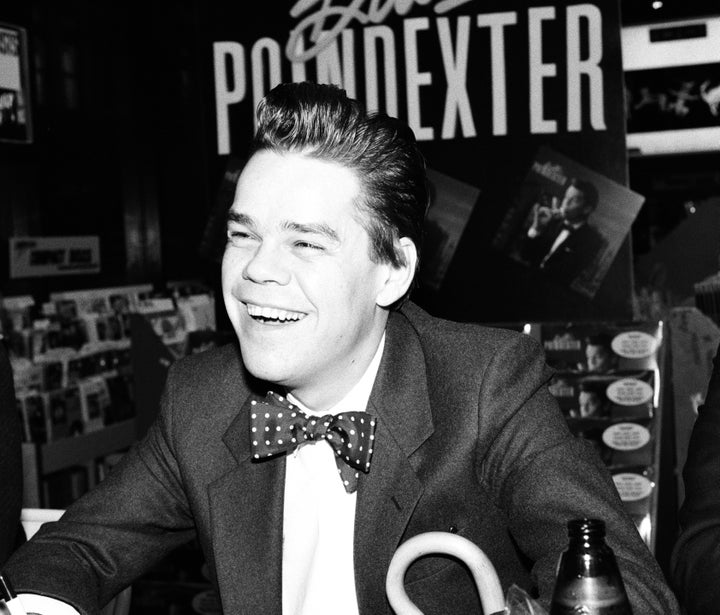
(542, 476)
(695, 562)
(114, 533)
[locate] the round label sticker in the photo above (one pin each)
(626, 436)
(632, 487)
(629, 392)
(634, 344)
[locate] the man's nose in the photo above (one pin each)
(267, 264)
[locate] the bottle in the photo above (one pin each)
(588, 579)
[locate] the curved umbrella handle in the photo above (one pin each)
(486, 579)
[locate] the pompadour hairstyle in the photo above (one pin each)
(322, 122)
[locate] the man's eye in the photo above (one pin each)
(237, 235)
(306, 245)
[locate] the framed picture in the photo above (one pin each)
(672, 87)
(15, 115)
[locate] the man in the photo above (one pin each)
(455, 430)
(560, 241)
(599, 355)
(592, 401)
(695, 561)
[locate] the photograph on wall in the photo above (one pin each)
(673, 98)
(15, 119)
(567, 222)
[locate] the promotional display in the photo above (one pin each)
(486, 88)
(608, 382)
(596, 226)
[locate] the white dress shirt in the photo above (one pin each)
(318, 525)
(318, 520)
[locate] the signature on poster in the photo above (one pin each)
(344, 15)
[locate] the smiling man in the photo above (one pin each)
(345, 420)
(307, 302)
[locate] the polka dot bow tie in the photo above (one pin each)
(278, 426)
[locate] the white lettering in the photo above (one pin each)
(297, 69)
(457, 101)
(497, 23)
(328, 64)
(386, 37)
(343, 16)
(539, 70)
(234, 53)
(590, 67)
(414, 77)
(382, 46)
(271, 49)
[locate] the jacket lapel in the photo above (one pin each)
(388, 494)
(246, 505)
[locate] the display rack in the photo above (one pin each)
(617, 405)
(42, 460)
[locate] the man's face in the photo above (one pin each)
(299, 287)
(589, 403)
(599, 358)
(573, 206)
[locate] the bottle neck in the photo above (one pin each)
(586, 532)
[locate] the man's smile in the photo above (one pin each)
(271, 315)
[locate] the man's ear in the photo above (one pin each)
(399, 278)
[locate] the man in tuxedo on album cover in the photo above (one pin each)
(344, 419)
(560, 241)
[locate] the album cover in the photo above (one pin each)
(567, 222)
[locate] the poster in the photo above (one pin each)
(54, 256)
(483, 86)
(15, 116)
(567, 222)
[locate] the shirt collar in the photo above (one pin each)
(357, 398)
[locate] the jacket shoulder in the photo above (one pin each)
(209, 364)
(465, 339)
(206, 385)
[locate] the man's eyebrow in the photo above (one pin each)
(239, 218)
(315, 229)
(298, 227)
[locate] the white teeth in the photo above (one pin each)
(268, 313)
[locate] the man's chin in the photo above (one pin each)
(267, 370)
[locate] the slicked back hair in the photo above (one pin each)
(590, 192)
(322, 122)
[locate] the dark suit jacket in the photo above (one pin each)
(695, 562)
(572, 256)
(468, 436)
(10, 461)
